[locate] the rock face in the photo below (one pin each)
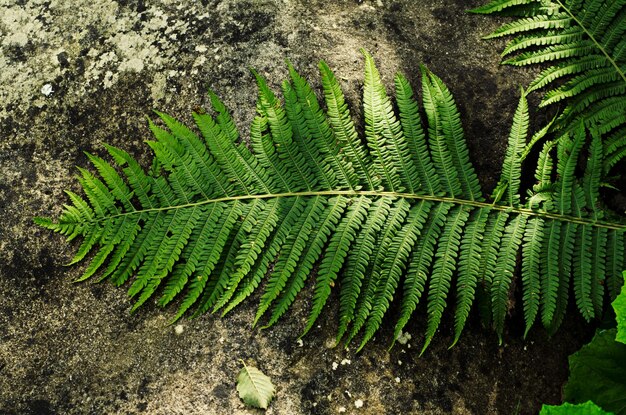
(76, 74)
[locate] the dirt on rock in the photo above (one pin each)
(77, 74)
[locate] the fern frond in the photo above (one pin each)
(593, 173)
(250, 250)
(614, 262)
(437, 143)
(192, 253)
(598, 260)
(583, 43)
(358, 259)
(209, 254)
(281, 134)
(237, 161)
(565, 258)
(311, 253)
(414, 132)
(213, 220)
(324, 177)
(290, 253)
(550, 265)
(290, 211)
(381, 132)
(583, 272)
(322, 136)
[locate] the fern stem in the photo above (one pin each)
(373, 193)
(593, 39)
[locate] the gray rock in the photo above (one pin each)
(76, 74)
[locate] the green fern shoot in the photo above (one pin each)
(582, 45)
(395, 214)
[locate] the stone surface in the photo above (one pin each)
(76, 74)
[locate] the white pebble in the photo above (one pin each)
(358, 403)
(179, 329)
(403, 338)
(47, 89)
(335, 365)
(397, 380)
(342, 410)
(345, 362)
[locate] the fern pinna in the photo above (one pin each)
(584, 44)
(400, 209)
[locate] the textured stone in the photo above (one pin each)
(104, 65)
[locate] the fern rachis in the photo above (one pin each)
(406, 210)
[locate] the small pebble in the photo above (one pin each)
(179, 329)
(345, 362)
(397, 380)
(47, 90)
(335, 365)
(358, 403)
(342, 410)
(403, 338)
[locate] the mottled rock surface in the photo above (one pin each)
(76, 74)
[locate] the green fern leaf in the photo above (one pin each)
(583, 44)
(500, 5)
(414, 132)
(290, 210)
(214, 220)
(453, 134)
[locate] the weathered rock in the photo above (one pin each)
(75, 74)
